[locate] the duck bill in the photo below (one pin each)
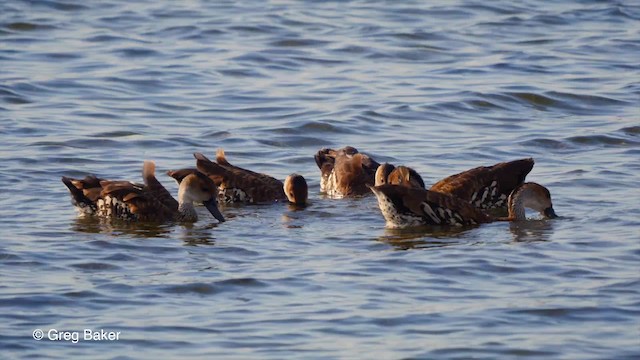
(550, 213)
(212, 206)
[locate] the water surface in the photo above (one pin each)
(440, 86)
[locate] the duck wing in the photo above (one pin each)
(486, 187)
(241, 185)
(155, 189)
(129, 201)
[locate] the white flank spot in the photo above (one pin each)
(427, 209)
(484, 195)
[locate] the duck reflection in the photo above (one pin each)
(294, 218)
(95, 225)
(532, 230)
(193, 235)
(190, 233)
(424, 237)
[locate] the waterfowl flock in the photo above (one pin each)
(479, 195)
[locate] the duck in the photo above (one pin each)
(401, 175)
(403, 206)
(239, 185)
(345, 172)
(485, 187)
(147, 202)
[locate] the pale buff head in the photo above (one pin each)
(197, 187)
(533, 196)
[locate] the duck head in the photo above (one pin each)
(197, 187)
(533, 196)
(295, 187)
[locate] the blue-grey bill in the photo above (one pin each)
(212, 206)
(550, 213)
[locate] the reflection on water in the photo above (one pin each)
(295, 216)
(197, 234)
(201, 233)
(424, 237)
(116, 227)
(532, 230)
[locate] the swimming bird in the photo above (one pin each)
(485, 187)
(345, 172)
(239, 185)
(143, 202)
(404, 206)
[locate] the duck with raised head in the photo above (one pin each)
(143, 202)
(345, 172)
(404, 206)
(239, 185)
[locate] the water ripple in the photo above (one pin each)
(97, 87)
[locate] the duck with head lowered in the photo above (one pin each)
(485, 187)
(239, 185)
(143, 202)
(345, 172)
(403, 206)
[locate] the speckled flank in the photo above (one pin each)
(331, 187)
(233, 195)
(486, 198)
(395, 219)
(114, 208)
(324, 180)
(84, 209)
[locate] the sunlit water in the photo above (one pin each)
(98, 87)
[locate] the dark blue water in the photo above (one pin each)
(98, 87)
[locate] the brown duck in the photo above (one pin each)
(404, 206)
(485, 187)
(143, 202)
(345, 172)
(239, 185)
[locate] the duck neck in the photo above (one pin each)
(186, 209)
(516, 204)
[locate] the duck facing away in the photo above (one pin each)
(143, 202)
(239, 185)
(345, 172)
(404, 206)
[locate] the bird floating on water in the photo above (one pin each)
(239, 185)
(144, 202)
(404, 206)
(485, 187)
(345, 172)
